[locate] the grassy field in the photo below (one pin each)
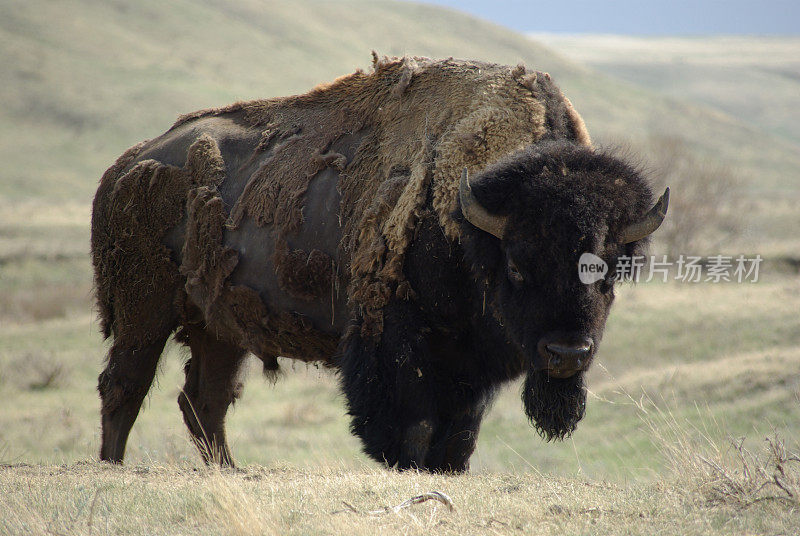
(727, 355)
(689, 381)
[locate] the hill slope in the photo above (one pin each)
(755, 78)
(86, 79)
(83, 80)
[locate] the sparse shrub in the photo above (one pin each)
(35, 372)
(43, 302)
(46, 374)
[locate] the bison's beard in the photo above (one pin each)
(554, 405)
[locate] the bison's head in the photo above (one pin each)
(527, 220)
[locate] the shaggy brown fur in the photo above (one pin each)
(134, 270)
(430, 117)
(421, 122)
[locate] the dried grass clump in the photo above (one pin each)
(232, 509)
(723, 474)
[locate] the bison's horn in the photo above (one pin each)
(475, 213)
(651, 221)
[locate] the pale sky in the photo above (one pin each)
(672, 17)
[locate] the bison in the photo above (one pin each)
(416, 228)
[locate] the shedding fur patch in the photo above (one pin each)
(369, 286)
(234, 312)
(103, 240)
(276, 190)
(408, 69)
(329, 159)
(306, 276)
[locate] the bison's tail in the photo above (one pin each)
(105, 311)
(100, 247)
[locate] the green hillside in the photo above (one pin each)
(83, 80)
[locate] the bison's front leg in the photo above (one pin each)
(455, 438)
(389, 389)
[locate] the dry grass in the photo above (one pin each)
(93, 498)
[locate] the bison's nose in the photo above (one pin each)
(565, 358)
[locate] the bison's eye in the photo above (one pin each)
(514, 274)
(607, 284)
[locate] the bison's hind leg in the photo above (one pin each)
(212, 384)
(123, 386)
